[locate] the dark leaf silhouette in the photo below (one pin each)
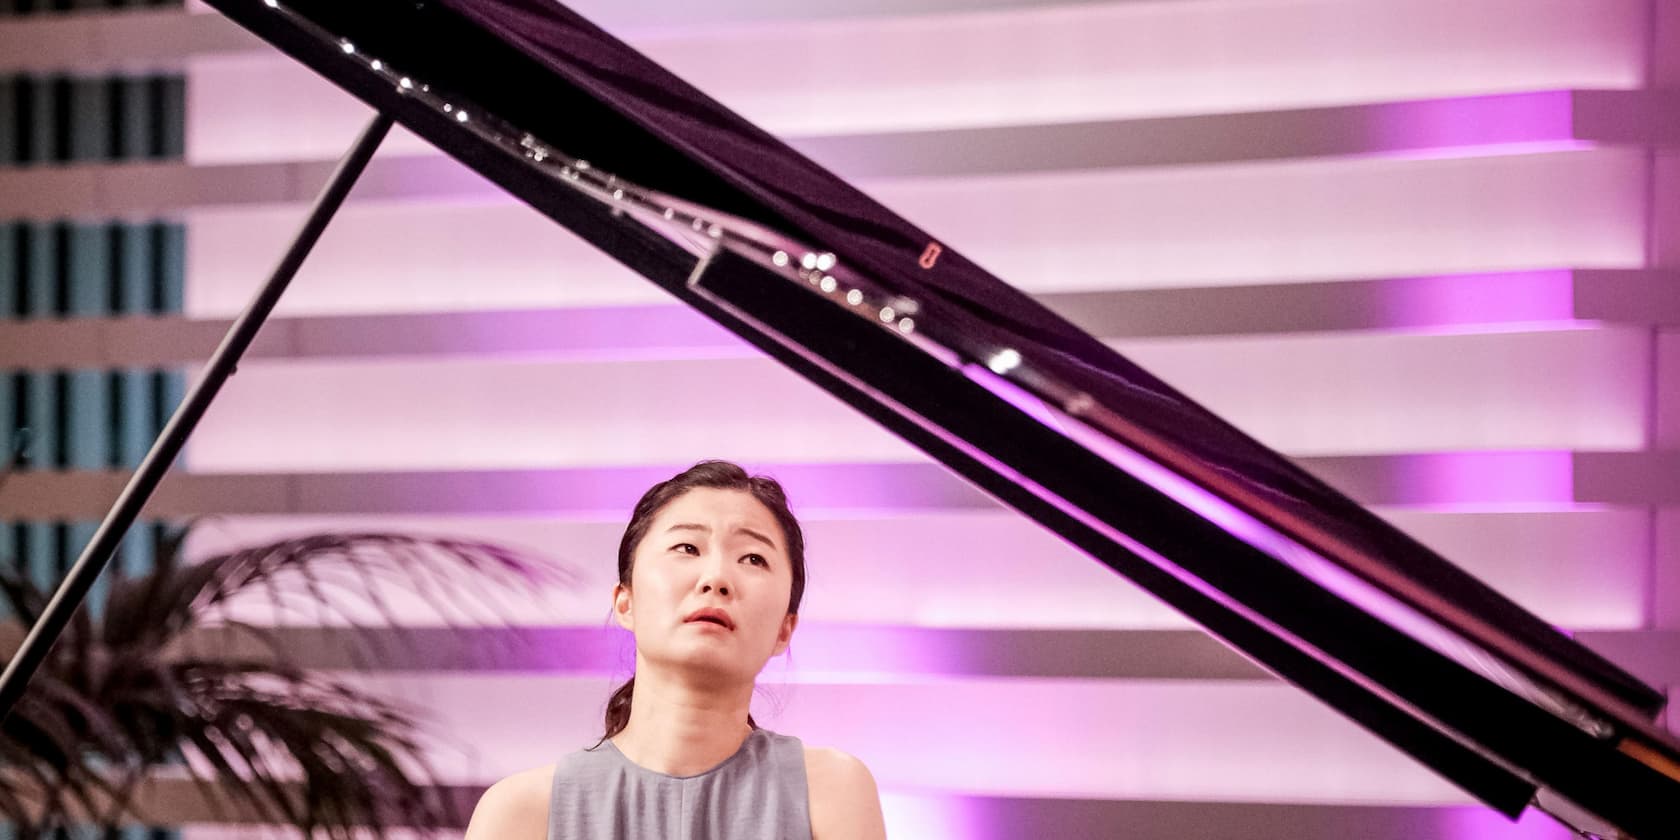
(133, 692)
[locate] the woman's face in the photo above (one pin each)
(716, 554)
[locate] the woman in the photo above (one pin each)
(710, 573)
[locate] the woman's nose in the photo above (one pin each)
(715, 576)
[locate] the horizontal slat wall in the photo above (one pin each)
(1583, 568)
(1048, 232)
(1554, 120)
(1581, 389)
(1420, 246)
(1070, 738)
(1034, 64)
(832, 653)
(1517, 301)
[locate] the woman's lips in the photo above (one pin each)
(711, 615)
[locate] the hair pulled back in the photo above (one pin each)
(721, 475)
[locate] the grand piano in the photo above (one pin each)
(1043, 416)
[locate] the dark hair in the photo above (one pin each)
(721, 475)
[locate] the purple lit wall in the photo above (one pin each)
(1425, 246)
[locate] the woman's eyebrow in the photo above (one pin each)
(692, 526)
(757, 536)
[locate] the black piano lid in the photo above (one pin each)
(1293, 573)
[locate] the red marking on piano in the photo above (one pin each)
(930, 255)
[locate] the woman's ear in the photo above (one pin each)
(785, 635)
(621, 607)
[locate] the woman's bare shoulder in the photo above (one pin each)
(515, 808)
(845, 804)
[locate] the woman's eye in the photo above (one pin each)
(686, 548)
(757, 558)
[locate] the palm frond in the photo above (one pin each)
(129, 693)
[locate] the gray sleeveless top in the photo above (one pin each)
(758, 793)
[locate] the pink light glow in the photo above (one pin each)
(1535, 296)
(1484, 824)
(934, 817)
(1490, 477)
(1547, 116)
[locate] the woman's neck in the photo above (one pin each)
(682, 729)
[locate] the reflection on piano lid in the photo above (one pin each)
(998, 388)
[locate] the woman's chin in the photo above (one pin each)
(710, 663)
